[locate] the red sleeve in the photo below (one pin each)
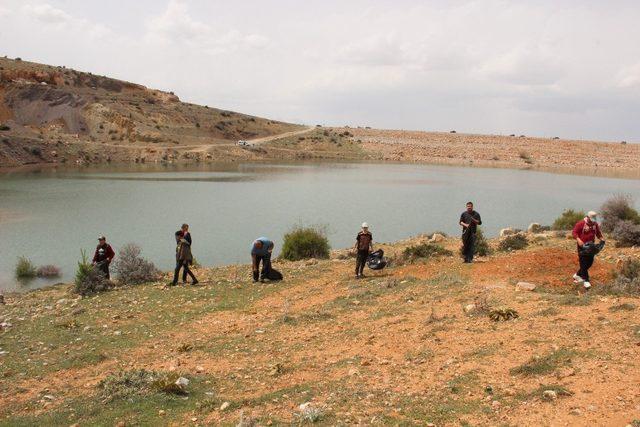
(110, 253)
(578, 227)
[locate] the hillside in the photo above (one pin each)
(57, 115)
(411, 345)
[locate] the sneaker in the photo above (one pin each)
(195, 282)
(577, 279)
(586, 285)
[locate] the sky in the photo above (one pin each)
(545, 68)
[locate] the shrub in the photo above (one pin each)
(616, 209)
(482, 245)
(128, 384)
(568, 219)
(425, 250)
(131, 268)
(305, 242)
(513, 243)
(48, 271)
(89, 280)
(4, 127)
(626, 280)
(25, 268)
(626, 234)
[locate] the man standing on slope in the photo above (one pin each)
(103, 256)
(586, 231)
(363, 247)
(469, 220)
(261, 251)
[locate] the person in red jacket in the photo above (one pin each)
(586, 231)
(103, 256)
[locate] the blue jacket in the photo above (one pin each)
(267, 245)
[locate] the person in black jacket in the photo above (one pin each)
(183, 256)
(469, 220)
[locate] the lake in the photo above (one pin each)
(49, 215)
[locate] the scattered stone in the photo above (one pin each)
(469, 308)
(182, 382)
(575, 411)
(161, 412)
(199, 369)
(437, 238)
(48, 397)
(549, 395)
(534, 227)
(565, 372)
(224, 406)
(117, 333)
(507, 232)
(525, 286)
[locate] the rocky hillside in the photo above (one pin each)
(55, 114)
(426, 341)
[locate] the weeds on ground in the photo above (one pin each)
(25, 268)
(513, 243)
(622, 307)
(128, 384)
(568, 219)
(625, 282)
(310, 414)
(559, 390)
(425, 250)
(545, 364)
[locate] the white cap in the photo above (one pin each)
(365, 225)
(592, 214)
(101, 237)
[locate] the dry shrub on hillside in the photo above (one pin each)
(568, 219)
(617, 209)
(513, 243)
(131, 268)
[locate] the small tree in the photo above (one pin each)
(89, 280)
(425, 250)
(616, 209)
(305, 242)
(626, 234)
(568, 219)
(131, 268)
(513, 243)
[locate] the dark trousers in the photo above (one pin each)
(361, 260)
(266, 267)
(586, 261)
(185, 266)
(104, 267)
(468, 246)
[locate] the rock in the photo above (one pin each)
(525, 286)
(549, 395)
(437, 238)
(48, 397)
(575, 411)
(61, 301)
(469, 308)
(161, 412)
(507, 232)
(224, 406)
(495, 404)
(304, 406)
(182, 382)
(199, 369)
(534, 227)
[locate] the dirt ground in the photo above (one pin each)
(410, 345)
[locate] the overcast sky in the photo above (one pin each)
(546, 68)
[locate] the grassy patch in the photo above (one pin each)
(623, 307)
(538, 393)
(545, 364)
(425, 250)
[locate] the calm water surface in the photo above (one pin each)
(50, 215)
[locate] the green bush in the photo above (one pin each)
(625, 282)
(425, 250)
(568, 219)
(305, 242)
(89, 280)
(25, 268)
(128, 384)
(482, 245)
(513, 243)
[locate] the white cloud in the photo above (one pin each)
(629, 77)
(47, 14)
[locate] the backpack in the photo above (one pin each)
(376, 261)
(274, 275)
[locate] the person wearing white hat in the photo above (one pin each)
(585, 232)
(363, 247)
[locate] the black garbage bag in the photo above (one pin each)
(591, 248)
(376, 261)
(274, 275)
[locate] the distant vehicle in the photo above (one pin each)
(243, 143)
